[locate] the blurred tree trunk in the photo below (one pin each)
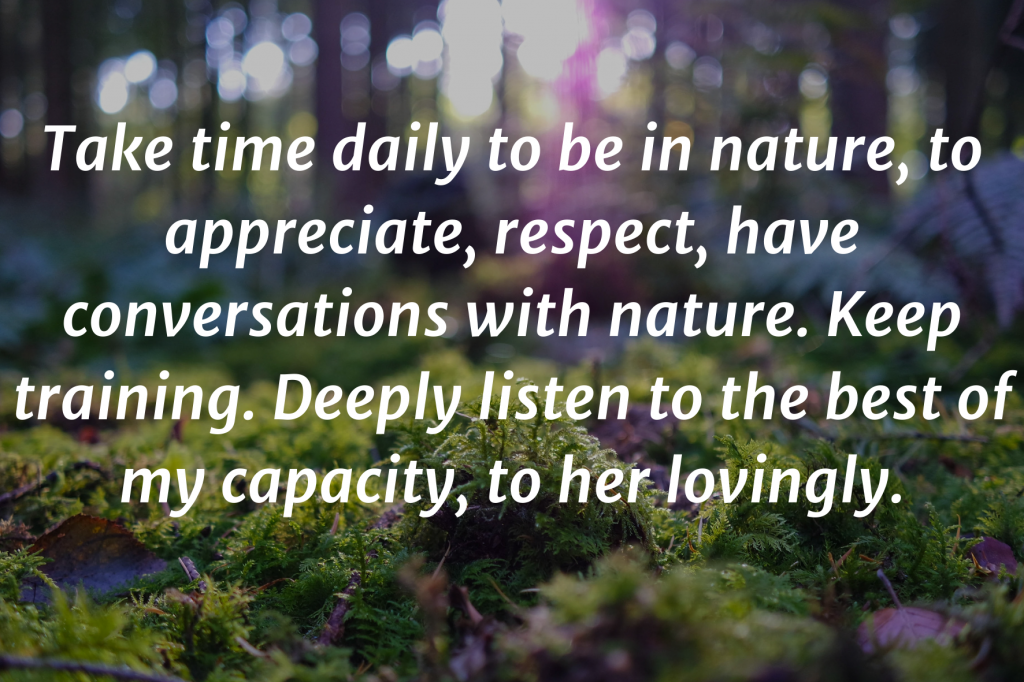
(67, 188)
(347, 189)
(859, 95)
(382, 17)
(969, 38)
(331, 125)
(8, 176)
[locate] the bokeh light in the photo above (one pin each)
(679, 55)
(813, 82)
(296, 27)
(231, 81)
(112, 92)
(355, 41)
(220, 33)
(267, 70)
(140, 67)
(639, 42)
(303, 52)
(707, 73)
(428, 49)
(11, 123)
(902, 80)
(163, 93)
(401, 55)
(473, 33)
(551, 31)
(904, 26)
(612, 65)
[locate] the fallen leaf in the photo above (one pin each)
(991, 554)
(904, 627)
(97, 554)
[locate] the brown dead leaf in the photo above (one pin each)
(97, 554)
(904, 627)
(991, 554)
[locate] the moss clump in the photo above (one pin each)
(518, 545)
(623, 624)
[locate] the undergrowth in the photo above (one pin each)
(553, 591)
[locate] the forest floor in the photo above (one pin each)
(924, 589)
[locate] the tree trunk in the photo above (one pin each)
(859, 95)
(67, 188)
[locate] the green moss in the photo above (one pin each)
(726, 591)
(518, 545)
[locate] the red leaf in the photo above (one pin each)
(96, 553)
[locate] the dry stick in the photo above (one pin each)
(18, 493)
(836, 565)
(192, 572)
(440, 564)
(334, 628)
(119, 673)
(888, 588)
(249, 648)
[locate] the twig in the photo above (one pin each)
(888, 588)
(267, 586)
(700, 524)
(118, 673)
(249, 648)
(440, 564)
(511, 603)
(458, 597)
(18, 493)
(192, 572)
(334, 628)
(51, 477)
(837, 564)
